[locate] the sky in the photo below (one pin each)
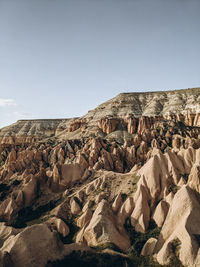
(61, 58)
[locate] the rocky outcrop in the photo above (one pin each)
(33, 246)
(149, 247)
(60, 225)
(135, 111)
(70, 173)
(102, 229)
(28, 131)
(163, 103)
(182, 226)
(6, 232)
(127, 170)
(141, 213)
(131, 124)
(77, 124)
(161, 213)
(108, 125)
(194, 177)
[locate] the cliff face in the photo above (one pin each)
(29, 131)
(149, 104)
(123, 178)
(133, 112)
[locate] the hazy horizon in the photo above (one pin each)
(61, 58)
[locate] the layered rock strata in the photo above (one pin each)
(104, 182)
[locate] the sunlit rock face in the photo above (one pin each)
(134, 112)
(29, 131)
(123, 180)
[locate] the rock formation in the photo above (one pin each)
(123, 181)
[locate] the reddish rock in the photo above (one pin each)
(108, 125)
(132, 125)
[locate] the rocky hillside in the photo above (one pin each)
(127, 111)
(119, 186)
(30, 131)
(149, 104)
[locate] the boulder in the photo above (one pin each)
(6, 232)
(60, 225)
(182, 223)
(103, 229)
(34, 246)
(149, 247)
(141, 214)
(117, 203)
(8, 210)
(75, 208)
(56, 175)
(125, 210)
(160, 213)
(194, 177)
(108, 125)
(70, 173)
(85, 218)
(5, 259)
(30, 190)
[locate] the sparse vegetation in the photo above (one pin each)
(39, 220)
(197, 238)
(139, 239)
(137, 242)
(173, 188)
(108, 152)
(30, 216)
(1, 163)
(133, 182)
(106, 245)
(92, 259)
(185, 177)
(174, 259)
(73, 232)
(7, 186)
(4, 190)
(141, 261)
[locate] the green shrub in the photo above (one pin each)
(174, 260)
(139, 239)
(106, 245)
(173, 188)
(137, 242)
(92, 259)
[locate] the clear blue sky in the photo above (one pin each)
(60, 58)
